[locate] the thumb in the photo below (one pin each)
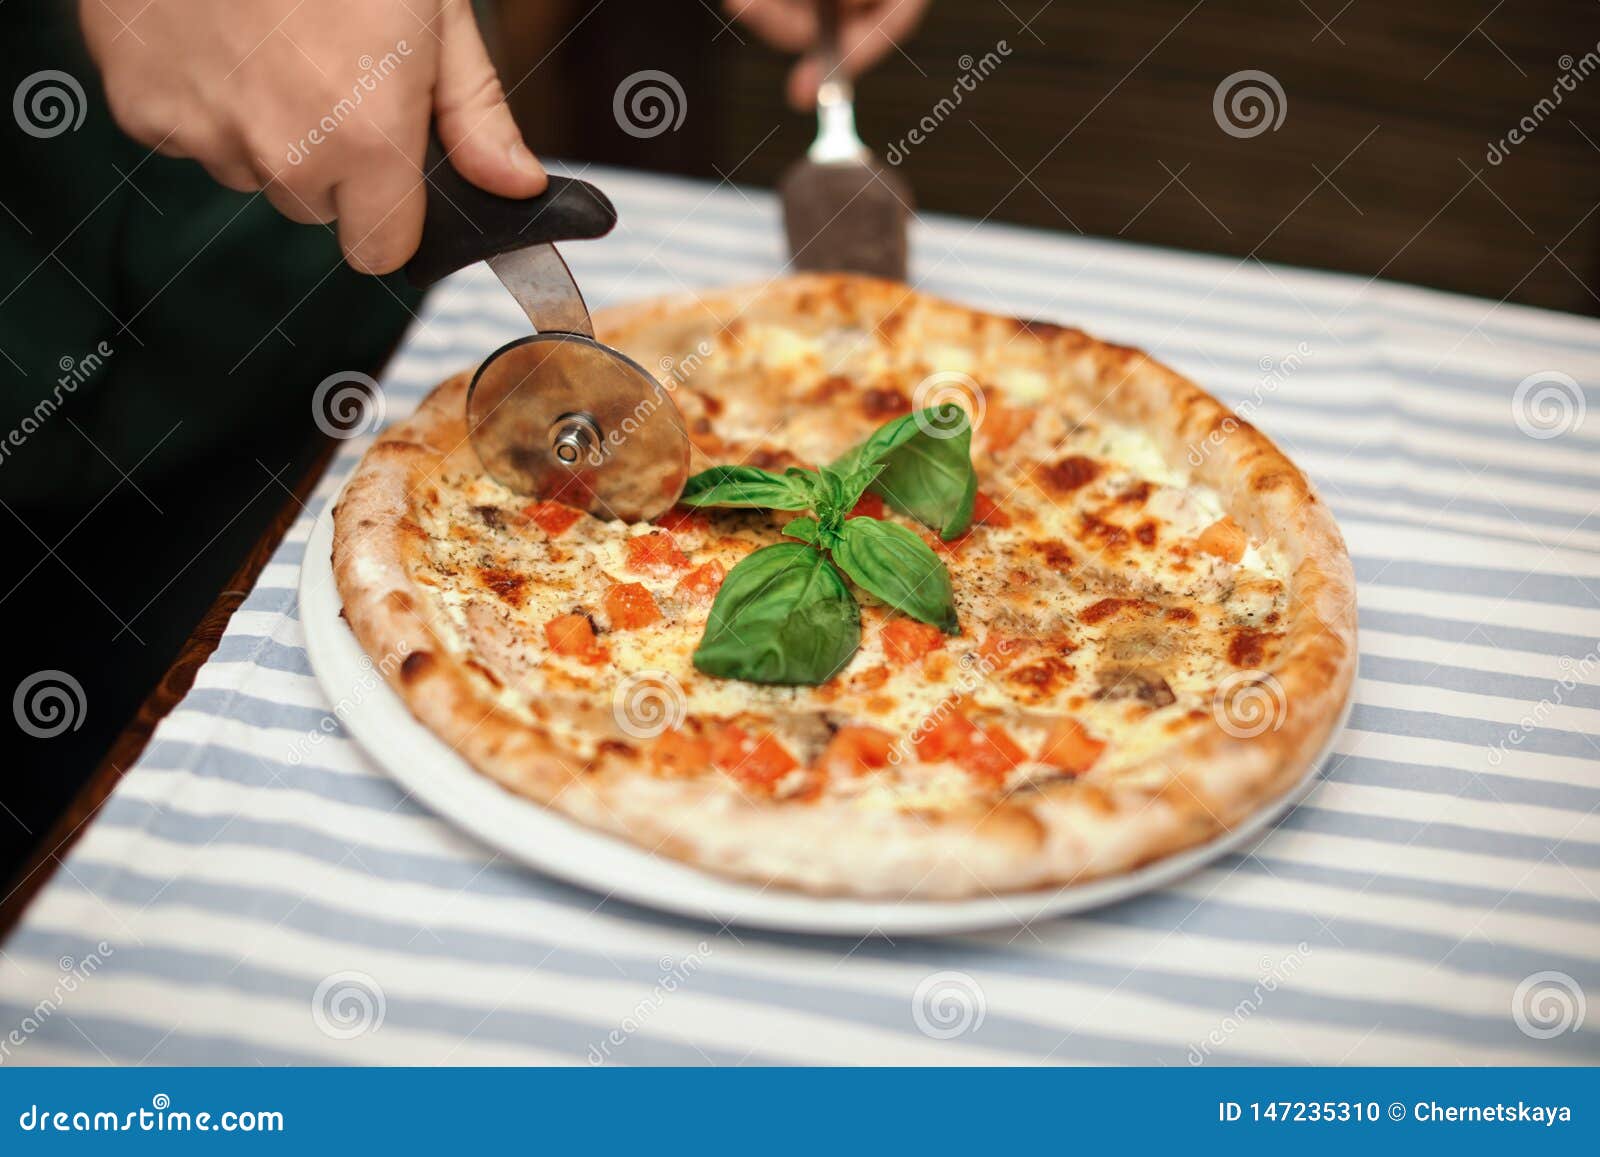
(475, 126)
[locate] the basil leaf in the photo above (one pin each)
(927, 467)
(892, 563)
(805, 528)
(745, 486)
(783, 615)
(853, 485)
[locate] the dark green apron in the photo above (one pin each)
(148, 316)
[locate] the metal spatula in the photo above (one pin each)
(843, 210)
(556, 415)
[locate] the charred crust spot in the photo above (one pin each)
(415, 665)
(1271, 480)
(492, 679)
(829, 388)
(1110, 534)
(1071, 473)
(1043, 330)
(1101, 611)
(493, 517)
(1041, 679)
(1247, 647)
(879, 403)
(1137, 494)
(1056, 554)
(508, 586)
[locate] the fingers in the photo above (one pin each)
(787, 25)
(381, 207)
(475, 126)
(869, 29)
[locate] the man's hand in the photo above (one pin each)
(324, 106)
(868, 29)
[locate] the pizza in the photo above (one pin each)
(1148, 631)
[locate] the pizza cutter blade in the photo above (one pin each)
(556, 415)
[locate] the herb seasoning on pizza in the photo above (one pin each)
(1014, 639)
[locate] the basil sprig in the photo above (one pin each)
(784, 614)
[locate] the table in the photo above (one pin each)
(1436, 899)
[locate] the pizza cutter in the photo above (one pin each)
(556, 415)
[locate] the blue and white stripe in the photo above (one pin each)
(1450, 851)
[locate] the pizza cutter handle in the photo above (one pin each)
(465, 224)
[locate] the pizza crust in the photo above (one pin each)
(1060, 834)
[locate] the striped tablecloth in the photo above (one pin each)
(1436, 899)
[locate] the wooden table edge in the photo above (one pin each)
(168, 692)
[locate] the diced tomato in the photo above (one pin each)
(1003, 425)
(680, 753)
(655, 551)
(987, 751)
(868, 505)
(908, 641)
(856, 749)
(1070, 748)
(682, 518)
(1223, 538)
(758, 762)
(702, 583)
(631, 606)
(993, 755)
(552, 517)
(944, 736)
(985, 512)
(573, 635)
(998, 650)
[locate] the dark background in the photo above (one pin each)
(1099, 104)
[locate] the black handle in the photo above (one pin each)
(465, 224)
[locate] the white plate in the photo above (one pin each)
(432, 772)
